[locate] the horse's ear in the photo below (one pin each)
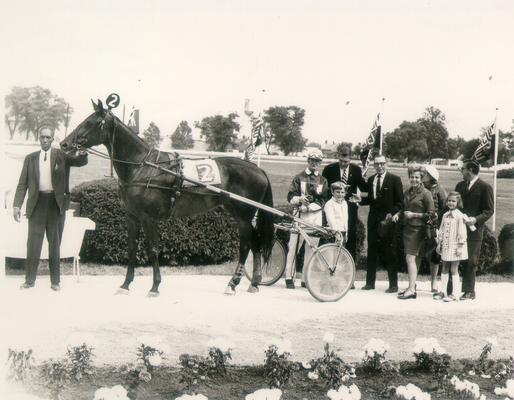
(95, 107)
(100, 105)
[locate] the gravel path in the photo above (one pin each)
(192, 310)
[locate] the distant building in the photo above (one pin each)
(329, 149)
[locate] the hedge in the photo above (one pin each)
(209, 238)
(505, 173)
(205, 239)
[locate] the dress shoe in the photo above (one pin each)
(290, 284)
(303, 284)
(468, 296)
(26, 286)
(55, 288)
(352, 287)
(393, 289)
(438, 296)
(368, 287)
(449, 298)
(407, 296)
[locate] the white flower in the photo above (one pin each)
(306, 365)
(313, 375)
(411, 392)
(221, 344)
(486, 376)
(355, 392)
(471, 372)
(192, 397)
(376, 346)
(508, 390)
(117, 392)
(155, 360)
(345, 393)
(428, 345)
(265, 394)
(328, 337)
(492, 341)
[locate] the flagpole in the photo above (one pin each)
(495, 150)
(380, 124)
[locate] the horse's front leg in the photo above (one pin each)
(245, 238)
(133, 227)
(151, 229)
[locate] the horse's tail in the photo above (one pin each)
(265, 227)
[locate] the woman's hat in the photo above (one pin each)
(432, 171)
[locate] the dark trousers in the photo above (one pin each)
(351, 243)
(469, 266)
(380, 249)
(46, 217)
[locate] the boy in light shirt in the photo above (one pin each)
(336, 211)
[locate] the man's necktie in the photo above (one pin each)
(379, 182)
(344, 178)
(44, 159)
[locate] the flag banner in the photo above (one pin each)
(372, 145)
(133, 122)
(485, 148)
(256, 137)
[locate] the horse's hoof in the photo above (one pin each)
(153, 294)
(230, 291)
(253, 289)
(122, 291)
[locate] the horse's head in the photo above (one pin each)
(92, 131)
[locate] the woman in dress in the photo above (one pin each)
(418, 209)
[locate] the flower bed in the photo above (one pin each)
(431, 375)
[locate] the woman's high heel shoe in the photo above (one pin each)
(406, 296)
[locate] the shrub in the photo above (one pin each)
(505, 173)
(55, 374)
(208, 238)
(80, 358)
(488, 253)
(505, 243)
(277, 366)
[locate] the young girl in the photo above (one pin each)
(452, 245)
(336, 211)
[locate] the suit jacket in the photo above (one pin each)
(60, 164)
(477, 202)
(388, 201)
(332, 172)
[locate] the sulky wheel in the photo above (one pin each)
(271, 271)
(330, 272)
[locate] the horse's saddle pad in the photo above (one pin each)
(205, 171)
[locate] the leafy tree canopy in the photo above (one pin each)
(152, 135)
(219, 131)
(285, 127)
(182, 138)
(31, 108)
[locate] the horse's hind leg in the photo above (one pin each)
(245, 238)
(257, 264)
(133, 226)
(150, 227)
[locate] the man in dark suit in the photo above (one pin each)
(45, 175)
(478, 205)
(351, 175)
(385, 198)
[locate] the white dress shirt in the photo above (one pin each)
(375, 183)
(472, 182)
(45, 172)
(337, 214)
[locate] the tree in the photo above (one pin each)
(30, 109)
(436, 134)
(285, 127)
(219, 131)
(407, 141)
(182, 137)
(455, 147)
(152, 135)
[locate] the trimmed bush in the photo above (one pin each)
(488, 253)
(204, 239)
(505, 173)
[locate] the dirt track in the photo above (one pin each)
(193, 310)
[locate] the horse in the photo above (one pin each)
(148, 194)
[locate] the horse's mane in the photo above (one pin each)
(118, 123)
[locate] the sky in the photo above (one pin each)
(177, 60)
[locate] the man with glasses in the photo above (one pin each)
(385, 198)
(478, 205)
(308, 193)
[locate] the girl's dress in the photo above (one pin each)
(452, 235)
